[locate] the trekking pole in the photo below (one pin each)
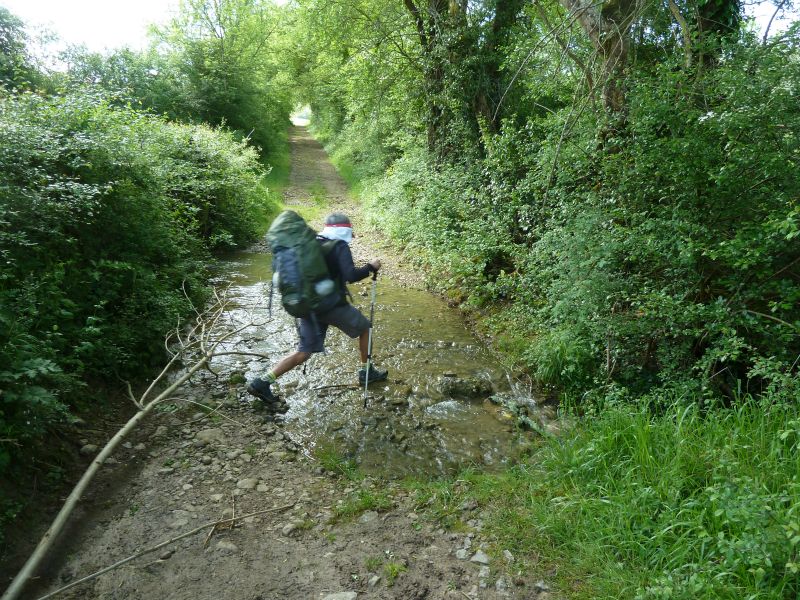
(369, 342)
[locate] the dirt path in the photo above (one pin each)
(329, 536)
(313, 173)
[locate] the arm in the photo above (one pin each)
(344, 261)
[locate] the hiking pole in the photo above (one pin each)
(369, 342)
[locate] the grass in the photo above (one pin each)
(676, 502)
(350, 173)
(392, 570)
(360, 502)
(318, 206)
(331, 459)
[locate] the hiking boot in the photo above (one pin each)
(374, 375)
(260, 389)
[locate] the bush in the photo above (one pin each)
(667, 253)
(106, 217)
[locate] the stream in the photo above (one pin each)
(433, 416)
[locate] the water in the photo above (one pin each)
(432, 416)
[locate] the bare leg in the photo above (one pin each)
(363, 345)
(290, 362)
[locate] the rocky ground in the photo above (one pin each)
(301, 530)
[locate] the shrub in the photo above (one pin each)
(106, 217)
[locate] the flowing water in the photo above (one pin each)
(432, 416)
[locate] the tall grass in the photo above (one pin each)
(639, 503)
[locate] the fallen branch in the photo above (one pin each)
(213, 524)
(196, 345)
(214, 410)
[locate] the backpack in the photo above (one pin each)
(299, 268)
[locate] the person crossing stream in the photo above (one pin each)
(312, 329)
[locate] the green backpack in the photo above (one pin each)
(299, 268)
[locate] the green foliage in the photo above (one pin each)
(106, 220)
(670, 258)
(212, 64)
(17, 66)
(224, 67)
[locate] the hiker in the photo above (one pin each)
(344, 315)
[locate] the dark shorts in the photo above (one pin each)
(347, 318)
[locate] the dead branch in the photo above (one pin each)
(214, 410)
(196, 348)
(213, 524)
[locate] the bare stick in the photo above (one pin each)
(201, 361)
(161, 545)
(208, 537)
(214, 410)
(258, 354)
(131, 396)
(772, 18)
(201, 418)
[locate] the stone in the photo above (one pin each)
(226, 546)
(470, 388)
(470, 504)
(88, 450)
(289, 528)
(206, 460)
(508, 556)
(181, 519)
(342, 596)
(262, 487)
(187, 487)
(247, 484)
(208, 436)
(480, 557)
(501, 585)
(368, 517)
(245, 457)
(540, 586)
(373, 581)
(139, 447)
(216, 497)
(461, 554)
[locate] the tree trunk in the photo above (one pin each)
(608, 26)
(487, 97)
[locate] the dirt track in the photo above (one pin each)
(196, 468)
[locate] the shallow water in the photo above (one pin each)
(422, 420)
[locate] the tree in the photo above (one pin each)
(17, 69)
(223, 52)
